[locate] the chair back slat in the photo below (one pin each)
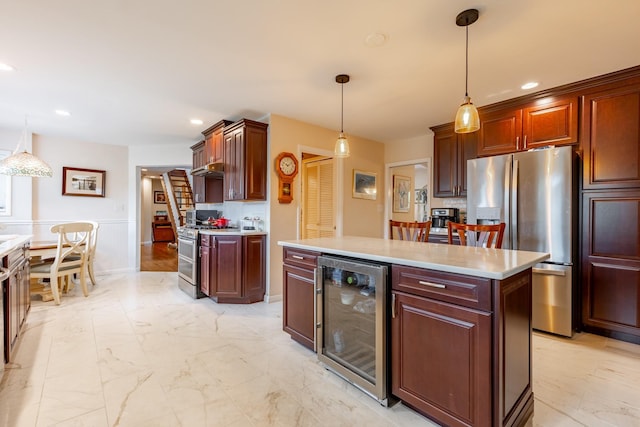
(405, 230)
(483, 235)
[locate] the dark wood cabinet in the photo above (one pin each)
(299, 295)
(539, 124)
(461, 346)
(198, 156)
(16, 299)
(214, 143)
(451, 152)
(206, 189)
(611, 264)
(611, 138)
(245, 161)
(233, 268)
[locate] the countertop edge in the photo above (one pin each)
(535, 258)
(9, 245)
(227, 232)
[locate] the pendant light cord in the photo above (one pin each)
(342, 108)
(466, 72)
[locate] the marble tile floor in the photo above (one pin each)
(139, 352)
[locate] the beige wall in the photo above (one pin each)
(361, 217)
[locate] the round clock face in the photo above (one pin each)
(287, 166)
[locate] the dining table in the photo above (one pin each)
(39, 252)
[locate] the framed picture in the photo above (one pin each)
(82, 182)
(364, 185)
(401, 193)
(158, 197)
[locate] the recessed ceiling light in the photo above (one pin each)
(529, 85)
(196, 122)
(375, 39)
(63, 113)
(6, 67)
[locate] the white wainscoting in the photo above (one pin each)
(112, 253)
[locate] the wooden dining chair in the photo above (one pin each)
(71, 258)
(405, 230)
(484, 235)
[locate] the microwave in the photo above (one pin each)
(194, 217)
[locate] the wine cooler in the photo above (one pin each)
(352, 322)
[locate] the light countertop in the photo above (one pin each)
(472, 261)
(8, 242)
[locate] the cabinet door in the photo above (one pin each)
(198, 189)
(233, 165)
(299, 302)
(218, 147)
(611, 263)
(254, 267)
(611, 138)
(554, 123)
(255, 164)
(12, 315)
(205, 269)
(445, 149)
(228, 266)
(447, 382)
(209, 149)
(500, 132)
(467, 149)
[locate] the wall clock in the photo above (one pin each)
(287, 169)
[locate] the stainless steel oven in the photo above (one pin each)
(188, 261)
(352, 322)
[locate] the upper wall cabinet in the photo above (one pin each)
(213, 142)
(611, 138)
(245, 161)
(451, 152)
(537, 125)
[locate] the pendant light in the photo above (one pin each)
(342, 144)
(24, 163)
(467, 118)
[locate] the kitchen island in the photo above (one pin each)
(460, 323)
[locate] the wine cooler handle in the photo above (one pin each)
(393, 306)
(316, 292)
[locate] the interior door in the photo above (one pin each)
(318, 213)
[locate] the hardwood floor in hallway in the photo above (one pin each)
(159, 256)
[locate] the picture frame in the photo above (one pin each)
(401, 193)
(83, 182)
(364, 185)
(159, 197)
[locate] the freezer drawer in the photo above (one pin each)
(552, 299)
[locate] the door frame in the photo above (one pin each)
(338, 195)
(388, 200)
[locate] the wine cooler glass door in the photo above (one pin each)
(352, 317)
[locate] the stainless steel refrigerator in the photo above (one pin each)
(533, 194)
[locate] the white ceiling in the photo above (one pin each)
(136, 71)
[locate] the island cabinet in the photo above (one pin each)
(299, 295)
(16, 298)
(451, 152)
(233, 268)
(541, 123)
(461, 346)
(245, 161)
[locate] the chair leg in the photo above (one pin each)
(53, 284)
(83, 282)
(91, 276)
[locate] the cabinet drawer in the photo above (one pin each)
(300, 257)
(467, 291)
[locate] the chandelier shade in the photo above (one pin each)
(22, 163)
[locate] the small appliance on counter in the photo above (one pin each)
(440, 217)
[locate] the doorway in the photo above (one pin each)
(414, 178)
(317, 213)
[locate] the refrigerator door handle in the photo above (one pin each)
(507, 203)
(514, 205)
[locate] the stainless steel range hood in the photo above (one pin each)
(210, 169)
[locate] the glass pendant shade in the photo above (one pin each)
(342, 146)
(25, 164)
(467, 118)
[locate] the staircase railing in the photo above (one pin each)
(179, 196)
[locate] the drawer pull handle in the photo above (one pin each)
(297, 257)
(433, 285)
